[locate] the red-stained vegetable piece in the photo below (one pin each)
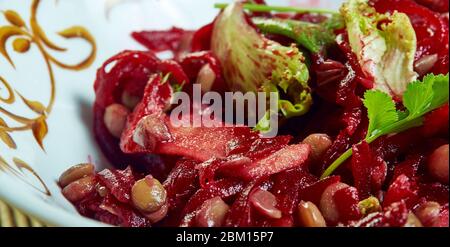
(434, 192)
(118, 182)
(435, 5)
(409, 167)
(436, 122)
(201, 40)
(181, 183)
(347, 200)
(126, 215)
(192, 63)
(256, 149)
(240, 213)
(199, 143)
(369, 171)
(165, 40)
(284, 159)
(402, 189)
(224, 188)
(314, 192)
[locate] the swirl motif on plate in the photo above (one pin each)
(24, 36)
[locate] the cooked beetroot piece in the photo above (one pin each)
(284, 159)
(241, 212)
(347, 200)
(181, 183)
(436, 122)
(126, 215)
(167, 40)
(286, 187)
(435, 5)
(369, 171)
(127, 71)
(201, 40)
(192, 64)
(402, 189)
(240, 157)
(314, 192)
(434, 192)
(224, 188)
(162, 138)
(409, 167)
(118, 182)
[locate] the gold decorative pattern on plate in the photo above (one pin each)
(11, 217)
(25, 36)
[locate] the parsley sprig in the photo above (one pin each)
(420, 98)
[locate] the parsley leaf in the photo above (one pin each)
(419, 98)
(380, 110)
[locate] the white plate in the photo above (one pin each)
(32, 188)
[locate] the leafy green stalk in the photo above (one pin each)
(419, 99)
(313, 37)
(268, 8)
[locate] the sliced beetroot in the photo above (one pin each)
(314, 192)
(408, 167)
(286, 158)
(193, 62)
(126, 215)
(149, 125)
(286, 187)
(128, 67)
(391, 147)
(203, 143)
(165, 40)
(402, 189)
(434, 192)
(263, 147)
(181, 184)
(240, 213)
(256, 149)
(435, 5)
(129, 72)
(201, 40)
(347, 200)
(436, 122)
(224, 188)
(369, 171)
(118, 182)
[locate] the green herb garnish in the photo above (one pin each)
(268, 8)
(420, 98)
(314, 37)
